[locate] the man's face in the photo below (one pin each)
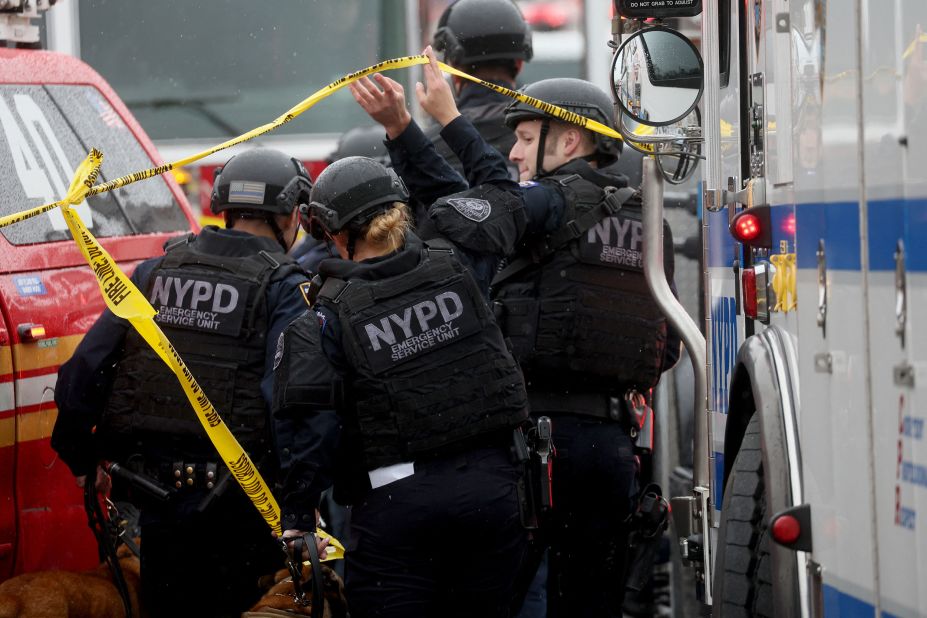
(525, 151)
(559, 148)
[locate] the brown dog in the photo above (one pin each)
(278, 601)
(64, 594)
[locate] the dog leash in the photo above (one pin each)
(294, 564)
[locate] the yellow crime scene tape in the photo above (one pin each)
(125, 300)
(308, 103)
(784, 282)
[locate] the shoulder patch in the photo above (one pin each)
(304, 289)
(472, 208)
(528, 183)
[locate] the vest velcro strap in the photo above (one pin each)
(176, 242)
(269, 259)
(333, 288)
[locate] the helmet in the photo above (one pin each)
(260, 180)
(475, 31)
(575, 95)
(347, 194)
(362, 142)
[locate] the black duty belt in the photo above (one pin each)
(598, 405)
(189, 475)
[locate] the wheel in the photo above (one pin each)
(743, 569)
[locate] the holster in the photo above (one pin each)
(528, 505)
(534, 454)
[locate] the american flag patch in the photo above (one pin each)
(246, 192)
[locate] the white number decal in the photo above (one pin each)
(47, 182)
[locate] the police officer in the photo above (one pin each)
(587, 332)
(488, 39)
(427, 396)
(223, 297)
(575, 305)
(401, 384)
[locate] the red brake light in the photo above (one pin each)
(753, 227)
(786, 529)
(748, 289)
(747, 227)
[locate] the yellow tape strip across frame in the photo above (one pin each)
(306, 104)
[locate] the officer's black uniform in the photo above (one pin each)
(586, 330)
(575, 305)
(587, 333)
(421, 374)
(223, 298)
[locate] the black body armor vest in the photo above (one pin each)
(214, 311)
(431, 370)
(575, 304)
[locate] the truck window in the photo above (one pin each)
(207, 70)
(148, 205)
(45, 133)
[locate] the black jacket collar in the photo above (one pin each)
(391, 265)
(474, 95)
(233, 243)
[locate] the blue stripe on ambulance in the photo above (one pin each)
(838, 224)
(838, 604)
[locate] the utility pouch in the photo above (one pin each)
(640, 422)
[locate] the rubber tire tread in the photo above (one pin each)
(747, 586)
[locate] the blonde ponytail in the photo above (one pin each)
(387, 232)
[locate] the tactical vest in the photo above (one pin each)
(213, 309)
(577, 310)
(430, 367)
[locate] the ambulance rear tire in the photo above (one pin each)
(743, 570)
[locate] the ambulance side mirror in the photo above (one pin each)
(656, 76)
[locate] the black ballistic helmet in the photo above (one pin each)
(262, 180)
(362, 142)
(352, 191)
(575, 95)
(475, 31)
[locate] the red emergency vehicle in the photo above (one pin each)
(53, 109)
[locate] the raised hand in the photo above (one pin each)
(435, 94)
(386, 104)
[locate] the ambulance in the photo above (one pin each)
(809, 488)
(53, 110)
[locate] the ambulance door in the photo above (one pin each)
(895, 104)
(832, 315)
